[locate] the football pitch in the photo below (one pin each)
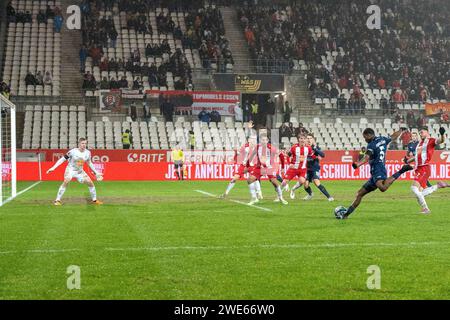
(174, 240)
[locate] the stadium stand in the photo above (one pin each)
(141, 45)
(157, 44)
(406, 62)
(32, 55)
(59, 126)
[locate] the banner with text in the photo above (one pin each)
(159, 171)
(223, 102)
(205, 156)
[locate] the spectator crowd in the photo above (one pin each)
(413, 62)
(204, 31)
(42, 17)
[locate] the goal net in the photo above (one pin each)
(8, 189)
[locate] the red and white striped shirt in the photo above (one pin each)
(243, 154)
(299, 156)
(267, 155)
(424, 151)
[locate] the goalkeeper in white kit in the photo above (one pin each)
(76, 158)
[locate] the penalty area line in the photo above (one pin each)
(235, 201)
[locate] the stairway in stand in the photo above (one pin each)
(235, 35)
(71, 78)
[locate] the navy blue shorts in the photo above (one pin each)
(312, 175)
(377, 174)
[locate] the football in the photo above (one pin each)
(339, 212)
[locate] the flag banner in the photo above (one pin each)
(223, 102)
(437, 108)
(110, 100)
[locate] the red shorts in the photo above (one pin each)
(241, 170)
(422, 174)
(271, 173)
(292, 173)
(255, 171)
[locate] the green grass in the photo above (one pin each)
(163, 240)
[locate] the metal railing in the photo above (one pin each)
(269, 66)
(22, 101)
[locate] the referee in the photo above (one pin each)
(177, 158)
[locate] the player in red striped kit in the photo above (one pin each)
(254, 174)
(284, 164)
(243, 160)
(268, 157)
(297, 169)
(424, 153)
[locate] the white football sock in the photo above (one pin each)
(297, 185)
(420, 197)
(429, 190)
(93, 193)
(60, 193)
(230, 186)
(252, 188)
(279, 192)
(258, 187)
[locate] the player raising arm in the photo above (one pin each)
(76, 159)
(422, 156)
(376, 157)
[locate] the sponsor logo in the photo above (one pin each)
(347, 157)
(244, 83)
(145, 157)
(445, 155)
(100, 158)
(132, 157)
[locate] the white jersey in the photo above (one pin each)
(77, 159)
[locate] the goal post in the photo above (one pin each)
(8, 160)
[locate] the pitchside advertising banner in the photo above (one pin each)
(212, 165)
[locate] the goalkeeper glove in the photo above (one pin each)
(442, 131)
(354, 165)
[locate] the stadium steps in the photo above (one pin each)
(71, 78)
(300, 96)
(238, 45)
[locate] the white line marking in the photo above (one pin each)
(39, 251)
(20, 192)
(284, 246)
(255, 246)
(236, 201)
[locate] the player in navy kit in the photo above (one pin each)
(313, 173)
(376, 157)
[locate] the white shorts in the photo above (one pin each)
(72, 174)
